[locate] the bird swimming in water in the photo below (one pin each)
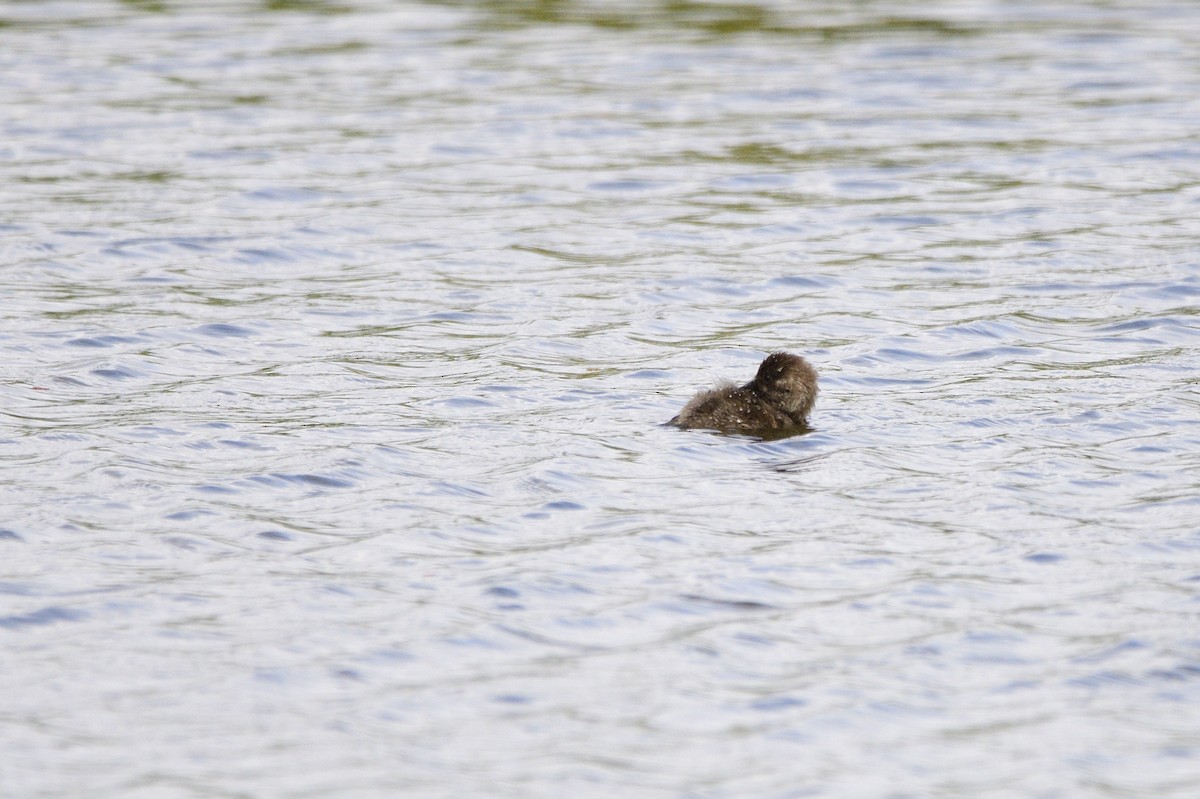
(779, 397)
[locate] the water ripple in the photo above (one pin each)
(339, 338)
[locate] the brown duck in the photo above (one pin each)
(779, 397)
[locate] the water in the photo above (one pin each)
(337, 338)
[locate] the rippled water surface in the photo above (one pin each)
(337, 338)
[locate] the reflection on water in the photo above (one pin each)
(820, 19)
(338, 338)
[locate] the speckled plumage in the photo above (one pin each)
(780, 396)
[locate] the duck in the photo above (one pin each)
(780, 396)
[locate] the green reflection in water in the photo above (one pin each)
(309, 6)
(146, 6)
(716, 18)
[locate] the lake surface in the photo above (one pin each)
(337, 340)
